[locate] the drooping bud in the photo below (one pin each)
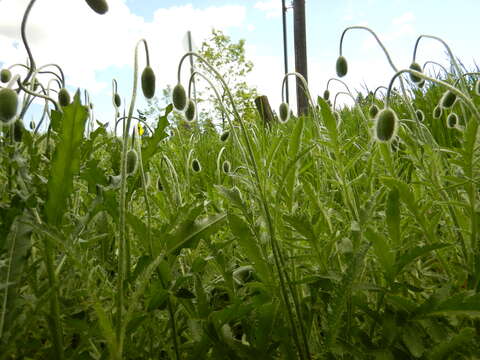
(179, 97)
(437, 112)
(226, 166)
(452, 120)
(224, 136)
(196, 165)
(326, 94)
(420, 115)
(415, 66)
(448, 99)
(341, 66)
(17, 131)
(63, 97)
(386, 125)
(117, 101)
(159, 184)
(190, 110)
(373, 111)
(132, 161)
(32, 125)
(148, 82)
(99, 6)
(5, 75)
(284, 112)
(8, 105)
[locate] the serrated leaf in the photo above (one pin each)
(151, 144)
(392, 213)
(65, 163)
(415, 253)
(190, 232)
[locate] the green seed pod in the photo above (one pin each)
(159, 184)
(148, 82)
(179, 97)
(415, 66)
(116, 100)
(99, 6)
(448, 99)
(386, 125)
(17, 131)
(32, 125)
(420, 115)
(326, 94)
(8, 105)
(132, 161)
(373, 111)
(226, 166)
(5, 75)
(341, 66)
(190, 111)
(224, 136)
(437, 112)
(452, 120)
(63, 97)
(477, 88)
(284, 112)
(196, 165)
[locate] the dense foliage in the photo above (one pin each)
(312, 238)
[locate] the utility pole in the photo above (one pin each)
(300, 53)
(285, 49)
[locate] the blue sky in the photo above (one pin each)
(93, 49)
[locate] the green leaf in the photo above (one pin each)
(18, 244)
(246, 240)
(66, 158)
(460, 304)
(392, 212)
(189, 233)
(383, 252)
(412, 338)
(415, 253)
(328, 119)
(151, 144)
(457, 342)
(293, 147)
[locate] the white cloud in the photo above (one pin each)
(271, 8)
(84, 43)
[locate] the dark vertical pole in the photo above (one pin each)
(285, 51)
(300, 52)
(192, 69)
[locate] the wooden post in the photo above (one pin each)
(264, 109)
(300, 53)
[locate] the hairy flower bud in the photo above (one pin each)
(190, 110)
(99, 6)
(148, 82)
(341, 66)
(63, 97)
(5, 75)
(448, 99)
(386, 125)
(284, 112)
(8, 105)
(179, 97)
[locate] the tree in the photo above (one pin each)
(229, 60)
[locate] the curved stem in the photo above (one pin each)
(25, 42)
(278, 259)
(449, 51)
(340, 81)
(454, 90)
